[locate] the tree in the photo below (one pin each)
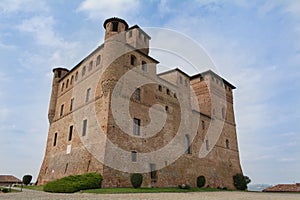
(136, 180)
(27, 179)
(200, 181)
(240, 181)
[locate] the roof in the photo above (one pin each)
(137, 27)
(9, 179)
(284, 188)
(198, 75)
(113, 19)
(173, 70)
(211, 72)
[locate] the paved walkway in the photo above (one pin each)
(38, 195)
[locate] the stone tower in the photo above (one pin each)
(103, 122)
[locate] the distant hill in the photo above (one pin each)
(258, 187)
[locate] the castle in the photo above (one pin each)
(113, 114)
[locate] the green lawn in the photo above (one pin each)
(148, 190)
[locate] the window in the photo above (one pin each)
(167, 108)
(203, 125)
(59, 74)
(83, 71)
(88, 94)
(133, 60)
(98, 60)
(67, 84)
(136, 126)
(223, 113)
(145, 39)
(88, 166)
(187, 145)
(175, 96)
(115, 26)
(140, 34)
(168, 91)
(90, 65)
(55, 139)
(71, 104)
(207, 145)
(144, 66)
(180, 79)
(66, 168)
(227, 143)
(201, 78)
(70, 133)
(153, 173)
(62, 87)
(76, 76)
(71, 82)
(133, 156)
(61, 110)
(185, 82)
(137, 94)
(130, 34)
(84, 127)
(160, 88)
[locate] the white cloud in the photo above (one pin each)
(14, 6)
(105, 8)
(43, 31)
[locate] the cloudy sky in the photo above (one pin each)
(254, 44)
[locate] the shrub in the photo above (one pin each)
(75, 183)
(5, 190)
(200, 181)
(184, 186)
(27, 179)
(240, 181)
(136, 180)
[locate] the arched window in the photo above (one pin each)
(227, 143)
(88, 166)
(115, 26)
(55, 139)
(187, 145)
(71, 81)
(223, 113)
(98, 60)
(83, 71)
(144, 66)
(133, 60)
(67, 84)
(90, 65)
(76, 76)
(62, 87)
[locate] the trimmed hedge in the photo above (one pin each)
(136, 180)
(240, 181)
(200, 181)
(27, 179)
(71, 184)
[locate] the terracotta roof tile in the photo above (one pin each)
(283, 188)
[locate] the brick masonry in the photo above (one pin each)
(99, 73)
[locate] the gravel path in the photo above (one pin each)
(29, 195)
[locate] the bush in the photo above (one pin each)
(184, 186)
(5, 190)
(27, 179)
(200, 181)
(75, 183)
(136, 180)
(240, 181)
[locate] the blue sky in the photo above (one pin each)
(254, 44)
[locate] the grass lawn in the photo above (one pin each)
(148, 190)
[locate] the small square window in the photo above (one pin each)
(88, 94)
